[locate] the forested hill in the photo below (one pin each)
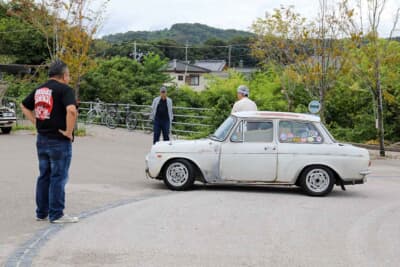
(194, 33)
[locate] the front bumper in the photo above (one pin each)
(151, 167)
(148, 175)
(7, 122)
(353, 182)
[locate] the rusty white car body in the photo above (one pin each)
(273, 148)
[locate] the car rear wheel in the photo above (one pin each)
(317, 180)
(6, 130)
(179, 175)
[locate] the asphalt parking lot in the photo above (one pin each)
(128, 220)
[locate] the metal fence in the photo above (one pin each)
(187, 120)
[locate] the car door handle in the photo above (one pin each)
(272, 148)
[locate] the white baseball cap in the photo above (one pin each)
(243, 89)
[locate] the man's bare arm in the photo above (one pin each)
(72, 115)
(29, 114)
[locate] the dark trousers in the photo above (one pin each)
(161, 126)
(54, 161)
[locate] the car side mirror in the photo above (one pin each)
(236, 139)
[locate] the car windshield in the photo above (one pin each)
(222, 132)
(329, 134)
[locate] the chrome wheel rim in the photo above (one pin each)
(177, 174)
(318, 180)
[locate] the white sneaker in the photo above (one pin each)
(66, 219)
(41, 220)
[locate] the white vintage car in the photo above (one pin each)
(270, 148)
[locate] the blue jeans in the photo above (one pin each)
(161, 126)
(54, 161)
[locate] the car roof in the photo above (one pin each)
(277, 115)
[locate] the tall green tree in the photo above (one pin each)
(20, 42)
(310, 48)
(375, 59)
(125, 80)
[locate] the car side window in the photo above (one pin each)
(254, 132)
(299, 132)
(237, 135)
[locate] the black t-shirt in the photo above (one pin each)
(162, 111)
(49, 103)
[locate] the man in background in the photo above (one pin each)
(243, 103)
(161, 115)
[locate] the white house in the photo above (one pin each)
(194, 75)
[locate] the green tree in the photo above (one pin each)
(19, 41)
(375, 60)
(68, 27)
(312, 49)
(125, 80)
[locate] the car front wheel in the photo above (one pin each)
(317, 180)
(179, 175)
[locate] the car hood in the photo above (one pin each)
(187, 146)
(352, 150)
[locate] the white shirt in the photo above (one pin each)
(244, 104)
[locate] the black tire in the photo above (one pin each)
(111, 121)
(131, 121)
(90, 117)
(6, 130)
(182, 168)
(317, 180)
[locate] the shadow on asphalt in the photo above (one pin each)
(287, 190)
(250, 189)
(264, 189)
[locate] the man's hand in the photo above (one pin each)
(29, 114)
(71, 119)
(67, 134)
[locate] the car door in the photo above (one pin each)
(300, 143)
(250, 154)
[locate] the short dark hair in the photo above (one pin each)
(57, 68)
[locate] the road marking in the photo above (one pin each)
(23, 256)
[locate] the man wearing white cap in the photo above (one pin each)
(243, 103)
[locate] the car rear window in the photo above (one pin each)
(299, 132)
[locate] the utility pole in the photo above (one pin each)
(186, 51)
(186, 59)
(229, 55)
(134, 51)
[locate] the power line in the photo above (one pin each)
(203, 46)
(14, 31)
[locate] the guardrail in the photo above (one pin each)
(390, 148)
(187, 120)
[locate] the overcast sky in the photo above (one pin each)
(145, 15)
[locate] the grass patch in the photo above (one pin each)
(80, 132)
(24, 128)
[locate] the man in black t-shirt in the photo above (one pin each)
(52, 108)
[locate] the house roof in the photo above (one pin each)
(245, 70)
(180, 66)
(213, 65)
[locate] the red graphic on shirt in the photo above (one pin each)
(43, 103)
